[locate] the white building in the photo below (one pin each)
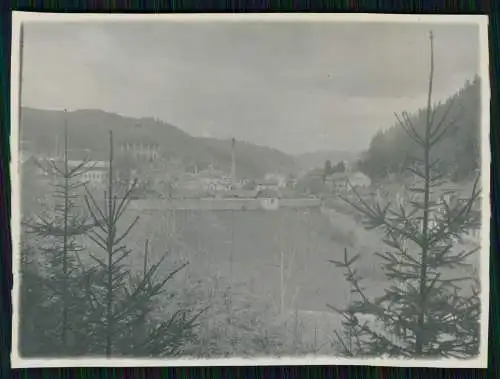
(269, 198)
(141, 150)
(216, 185)
(279, 179)
(94, 176)
(266, 184)
(92, 172)
(343, 181)
(95, 173)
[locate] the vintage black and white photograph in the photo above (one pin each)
(227, 189)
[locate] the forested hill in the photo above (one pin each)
(390, 150)
(88, 129)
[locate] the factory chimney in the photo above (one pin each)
(233, 164)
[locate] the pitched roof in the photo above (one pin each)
(265, 182)
(351, 176)
(268, 193)
(241, 193)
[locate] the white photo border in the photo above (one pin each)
(18, 18)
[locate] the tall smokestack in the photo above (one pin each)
(233, 163)
(56, 146)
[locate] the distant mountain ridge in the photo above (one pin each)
(88, 129)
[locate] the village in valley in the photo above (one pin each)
(142, 161)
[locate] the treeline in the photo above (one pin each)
(391, 150)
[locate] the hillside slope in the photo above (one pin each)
(88, 129)
(391, 150)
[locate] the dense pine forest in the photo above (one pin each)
(391, 150)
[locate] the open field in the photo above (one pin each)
(243, 250)
(236, 262)
(245, 247)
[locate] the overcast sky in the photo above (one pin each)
(294, 86)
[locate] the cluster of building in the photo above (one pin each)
(395, 190)
(159, 177)
(337, 182)
(211, 182)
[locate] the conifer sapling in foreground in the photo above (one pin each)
(120, 300)
(430, 306)
(59, 231)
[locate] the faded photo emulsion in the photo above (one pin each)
(250, 189)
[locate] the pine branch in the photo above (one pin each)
(422, 306)
(127, 300)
